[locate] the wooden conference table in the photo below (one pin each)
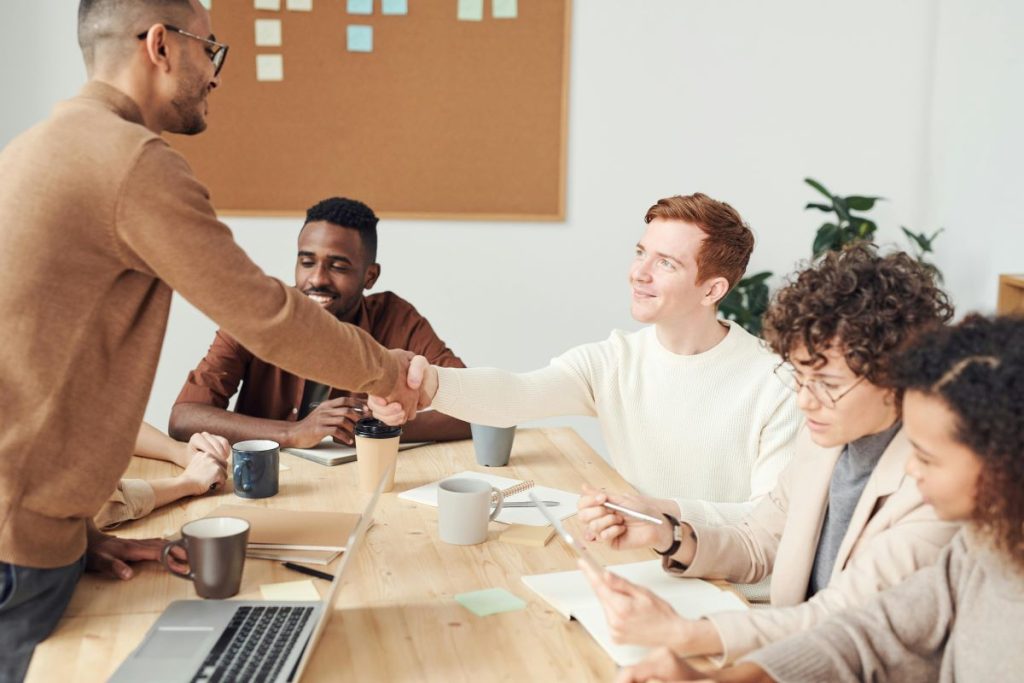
(395, 618)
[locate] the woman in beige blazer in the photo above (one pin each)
(844, 520)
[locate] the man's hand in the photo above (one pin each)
(635, 615)
(620, 531)
(660, 665)
(419, 377)
(336, 418)
(110, 555)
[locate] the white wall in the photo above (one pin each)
(914, 100)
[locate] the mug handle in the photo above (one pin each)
(496, 493)
(163, 559)
(243, 475)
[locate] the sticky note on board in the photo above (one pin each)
(290, 590)
(505, 9)
(208, 4)
(268, 32)
(521, 534)
(360, 38)
(269, 67)
(299, 5)
(274, 5)
(394, 6)
(360, 6)
(491, 601)
(471, 10)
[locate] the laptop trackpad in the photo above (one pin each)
(175, 643)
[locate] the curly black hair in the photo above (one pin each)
(867, 305)
(977, 369)
(352, 214)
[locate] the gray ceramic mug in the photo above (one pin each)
(255, 466)
(216, 554)
(492, 445)
(463, 510)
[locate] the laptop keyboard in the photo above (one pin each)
(254, 645)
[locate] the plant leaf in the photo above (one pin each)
(819, 207)
(858, 203)
(818, 186)
(828, 237)
(863, 228)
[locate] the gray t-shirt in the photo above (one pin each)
(853, 469)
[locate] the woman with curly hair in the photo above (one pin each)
(958, 620)
(844, 520)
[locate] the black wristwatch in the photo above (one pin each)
(677, 537)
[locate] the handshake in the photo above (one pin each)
(414, 390)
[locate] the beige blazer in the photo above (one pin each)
(892, 534)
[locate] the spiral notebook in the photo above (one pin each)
(515, 491)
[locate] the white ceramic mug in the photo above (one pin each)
(463, 510)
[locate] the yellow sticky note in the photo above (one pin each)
(290, 590)
(268, 32)
(269, 67)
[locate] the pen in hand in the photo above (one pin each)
(309, 572)
(633, 513)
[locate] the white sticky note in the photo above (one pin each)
(360, 6)
(290, 590)
(471, 10)
(267, 4)
(269, 67)
(505, 9)
(208, 4)
(268, 32)
(299, 5)
(394, 7)
(360, 38)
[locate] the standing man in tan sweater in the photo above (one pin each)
(101, 220)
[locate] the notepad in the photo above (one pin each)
(289, 591)
(271, 528)
(329, 452)
(427, 495)
(571, 595)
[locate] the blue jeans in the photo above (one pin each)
(32, 601)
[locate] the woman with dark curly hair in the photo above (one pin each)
(958, 620)
(844, 520)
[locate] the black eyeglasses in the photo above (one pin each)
(217, 56)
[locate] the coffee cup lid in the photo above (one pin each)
(372, 428)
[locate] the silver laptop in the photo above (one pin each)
(222, 641)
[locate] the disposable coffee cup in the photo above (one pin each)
(216, 555)
(492, 445)
(376, 453)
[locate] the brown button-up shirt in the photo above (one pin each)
(270, 392)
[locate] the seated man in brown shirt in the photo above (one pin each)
(336, 262)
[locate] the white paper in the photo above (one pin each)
(530, 516)
(268, 32)
(505, 9)
(267, 4)
(570, 594)
(269, 67)
(299, 5)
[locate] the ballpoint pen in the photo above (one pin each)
(633, 513)
(310, 572)
(531, 504)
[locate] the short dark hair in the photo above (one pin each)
(101, 20)
(728, 241)
(352, 214)
(977, 369)
(868, 304)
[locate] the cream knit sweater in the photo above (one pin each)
(711, 430)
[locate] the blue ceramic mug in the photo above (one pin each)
(255, 466)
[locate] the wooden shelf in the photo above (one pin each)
(1011, 294)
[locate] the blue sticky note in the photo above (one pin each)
(394, 6)
(490, 601)
(360, 6)
(360, 38)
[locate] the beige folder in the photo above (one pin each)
(293, 529)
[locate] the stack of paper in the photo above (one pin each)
(570, 594)
(310, 537)
(527, 515)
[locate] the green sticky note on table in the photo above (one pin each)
(360, 38)
(491, 601)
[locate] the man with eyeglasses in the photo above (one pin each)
(102, 220)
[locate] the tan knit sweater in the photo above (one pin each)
(99, 220)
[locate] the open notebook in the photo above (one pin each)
(570, 594)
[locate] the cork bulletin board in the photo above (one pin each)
(420, 108)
